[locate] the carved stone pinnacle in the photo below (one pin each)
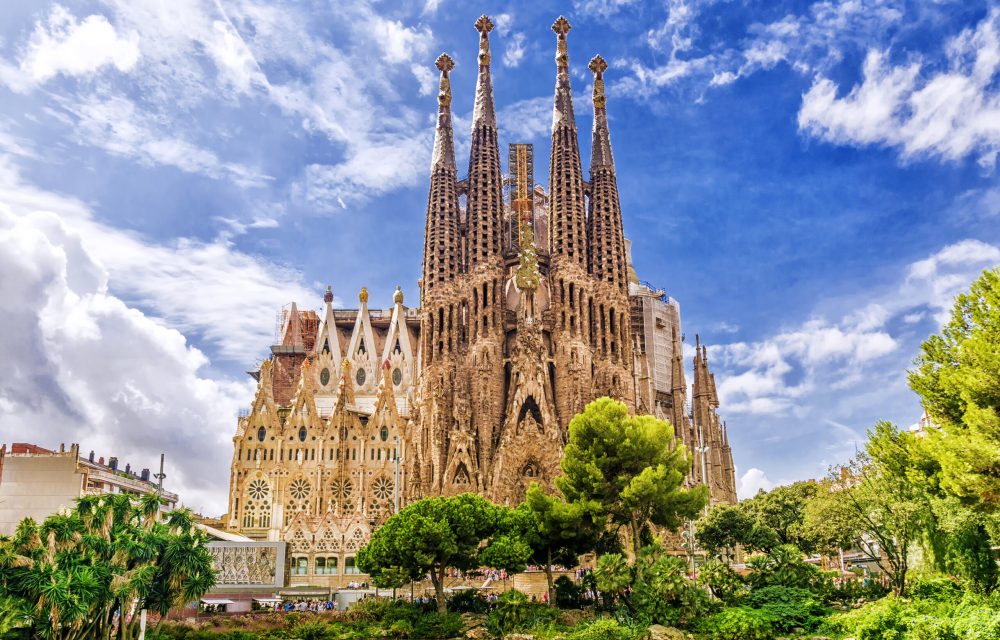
(484, 24)
(444, 63)
(561, 26)
(598, 65)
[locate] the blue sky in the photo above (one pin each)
(813, 181)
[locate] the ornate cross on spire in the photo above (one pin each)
(598, 65)
(445, 64)
(561, 27)
(484, 25)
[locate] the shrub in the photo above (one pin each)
(788, 607)
(567, 593)
(930, 628)
(784, 566)
(467, 601)
(976, 622)
(725, 583)
(934, 587)
(739, 623)
(306, 631)
(604, 629)
(881, 620)
(515, 613)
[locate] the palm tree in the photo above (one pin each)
(89, 572)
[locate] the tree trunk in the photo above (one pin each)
(633, 527)
(438, 581)
(548, 579)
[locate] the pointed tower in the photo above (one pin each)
(606, 239)
(441, 232)
(606, 252)
(485, 202)
(567, 219)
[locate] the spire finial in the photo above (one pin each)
(328, 296)
(598, 65)
(363, 295)
(445, 64)
(397, 297)
(561, 27)
(484, 25)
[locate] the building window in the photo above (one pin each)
(302, 434)
(326, 566)
(324, 377)
(261, 433)
(384, 434)
(300, 566)
(350, 569)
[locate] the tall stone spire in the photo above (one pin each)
(485, 199)
(441, 233)
(444, 137)
(606, 238)
(567, 218)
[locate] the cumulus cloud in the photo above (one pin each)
(82, 366)
(783, 373)
(950, 113)
(185, 58)
(751, 482)
(207, 289)
(64, 45)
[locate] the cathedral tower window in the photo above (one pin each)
(302, 434)
(361, 347)
(360, 376)
(384, 434)
(324, 377)
(261, 433)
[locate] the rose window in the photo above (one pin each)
(341, 489)
(382, 488)
(258, 490)
(299, 489)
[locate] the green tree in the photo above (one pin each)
(558, 532)
(829, 522)
(631, 466)
(88, 573)
(893, 510)
(727, 527)
(958, 380)
(429, 536)
(782, 510)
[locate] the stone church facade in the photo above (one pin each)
(529, 309)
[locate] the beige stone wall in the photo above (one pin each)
(36, 487)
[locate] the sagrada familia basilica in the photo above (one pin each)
(529, 309)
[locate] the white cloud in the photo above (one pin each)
(193, 54)
(81, 366)
(514, 52)
(428, 79)
(64, 45)
(601, 8)
(117, 126)
(751, 482)
(207, 289)
(935, 281)
(949, 114)
(527, 119)
(789, 371)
